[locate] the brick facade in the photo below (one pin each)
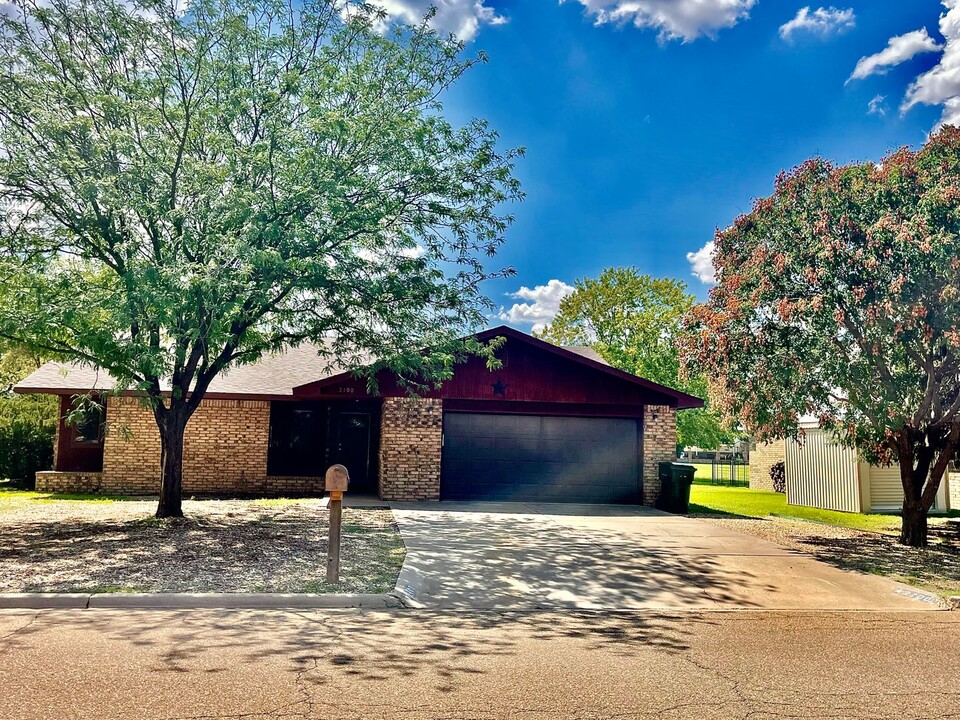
(411, 434)
(953, 490)
(659, 445)
(762, 458)
(224, 452)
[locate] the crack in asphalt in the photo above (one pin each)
(17, 631)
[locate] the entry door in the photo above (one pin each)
(352, 448)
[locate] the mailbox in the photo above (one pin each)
(336, 479)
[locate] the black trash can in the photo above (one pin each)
(675, 482)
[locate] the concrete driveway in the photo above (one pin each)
(518, 555)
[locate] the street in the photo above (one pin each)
(103, 664)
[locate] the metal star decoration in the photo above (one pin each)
(499, 388)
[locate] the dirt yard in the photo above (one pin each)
(67, 545)
(936, 569)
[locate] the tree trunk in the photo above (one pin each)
(172, 424)
(913, 530)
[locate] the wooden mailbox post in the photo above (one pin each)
(335, 482)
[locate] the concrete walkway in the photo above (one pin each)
(514, 556)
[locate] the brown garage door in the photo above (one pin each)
(540, 458)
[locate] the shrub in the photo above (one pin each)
(778, 475)
(27, 427)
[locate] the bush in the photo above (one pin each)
(27, 428)
(778, 475)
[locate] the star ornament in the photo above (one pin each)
(499, 388)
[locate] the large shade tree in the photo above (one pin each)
(186, 189)
(839, 298)
(633, 321)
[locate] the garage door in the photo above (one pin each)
(536, 458)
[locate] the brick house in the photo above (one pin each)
(553, 424)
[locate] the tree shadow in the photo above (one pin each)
(533, 561)
(239, 548)
(937, 566)
(443, 649)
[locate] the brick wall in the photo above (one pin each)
(225, 451)
(131, 449)
(953, 490)
(659, 445)
(225, 447)
(762, 458)
(69, 482)
(411, 432)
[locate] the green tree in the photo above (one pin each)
(27, 423)
(839, 298)
(633, 321)
(186, 191)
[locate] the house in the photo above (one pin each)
(822, 473)
(553, 424)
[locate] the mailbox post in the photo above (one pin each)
(335, 482)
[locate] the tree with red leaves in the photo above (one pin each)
(838, 297)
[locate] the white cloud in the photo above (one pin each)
(822, 21)
(941, 84)
(463, 18)
(899, 49)
(701, 263)
(876, 106)
(672, 19)
(542, 304)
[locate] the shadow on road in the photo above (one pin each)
(445, 648)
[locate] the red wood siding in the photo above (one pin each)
(72, 454)
(528, 375)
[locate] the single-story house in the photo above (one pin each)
(552, 424)
(819, 472)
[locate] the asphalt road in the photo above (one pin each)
(103, 664)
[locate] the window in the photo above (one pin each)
(298, 434)
(88, 424)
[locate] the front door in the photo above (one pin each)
(352, 448)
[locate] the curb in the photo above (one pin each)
(196, 601)
(43, 601)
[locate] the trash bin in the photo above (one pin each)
(675, 482)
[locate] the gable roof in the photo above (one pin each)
(273, 377)
(278, 376)
(593, 360)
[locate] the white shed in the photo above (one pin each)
(821, 473)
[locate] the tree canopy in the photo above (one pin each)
(183, 191)
(838, 298)
(633, 321)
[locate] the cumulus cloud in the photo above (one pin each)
(701, 263)
(541, 306)
(876, 106)
(463, 18)
(822, 21)
(899, 49)
(941, 84)
(672, 19)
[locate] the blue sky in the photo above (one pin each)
(649, 123)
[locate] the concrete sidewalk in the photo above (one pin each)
(514, 556)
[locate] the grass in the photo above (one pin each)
(722, 500)
(14, 497)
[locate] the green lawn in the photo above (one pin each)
(11, 498)
(723, 500)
